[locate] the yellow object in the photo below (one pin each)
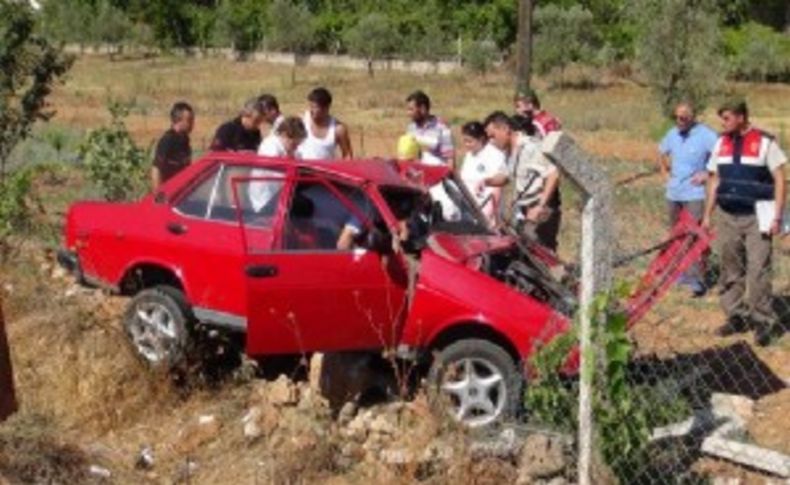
(408, 148)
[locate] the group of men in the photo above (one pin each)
(738, 176)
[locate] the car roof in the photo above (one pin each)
(376, 170)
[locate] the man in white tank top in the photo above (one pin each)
(324, 132)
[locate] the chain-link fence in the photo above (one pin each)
(680, 392)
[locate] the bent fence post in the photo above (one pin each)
(7, 396)
(596, 265)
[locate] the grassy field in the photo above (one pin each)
(69, 370)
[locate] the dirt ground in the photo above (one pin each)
(87, 401)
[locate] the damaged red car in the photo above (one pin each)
(301, 257)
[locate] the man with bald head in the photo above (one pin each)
(683, 154)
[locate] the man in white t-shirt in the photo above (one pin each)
(281, 144)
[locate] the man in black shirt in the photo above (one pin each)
(173, 152)
(242, 133)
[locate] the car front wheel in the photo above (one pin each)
(476, 382)
(156, 323)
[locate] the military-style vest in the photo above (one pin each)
(744, 176)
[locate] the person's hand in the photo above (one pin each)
(776, 227)
(699, 178)
(538, 213)
(705, 223)
(480, 188)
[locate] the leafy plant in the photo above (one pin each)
(14, 210)
(679, 50)
(292, 29)
(372, 38)
(480, 55)
(29, 68)
(111, 158)
(624, 413)
(562, 36)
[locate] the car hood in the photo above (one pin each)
(463, 247)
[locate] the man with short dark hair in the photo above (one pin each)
(242, 133)
(270, 109)
(432, 134)
(173, 151)
(527, 103)
(535, 179)
(747, 184)
(325, 133)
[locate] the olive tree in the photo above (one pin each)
(678, 49)
(373, 37)
(292, 29)
(29, 68)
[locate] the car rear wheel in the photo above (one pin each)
(476, 383)
(156, 323)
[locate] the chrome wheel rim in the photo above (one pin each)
(153, 331)
(475, 391)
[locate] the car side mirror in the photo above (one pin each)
(160, 198)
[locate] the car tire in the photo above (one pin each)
(475, 382)
(157, 324)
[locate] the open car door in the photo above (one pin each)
(304, 293)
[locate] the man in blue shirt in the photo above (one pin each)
(684, 152)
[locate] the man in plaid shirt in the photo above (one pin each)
(432, 134)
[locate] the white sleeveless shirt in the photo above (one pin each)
(314, 148)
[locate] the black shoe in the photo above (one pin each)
(735, 324)
(769, 333)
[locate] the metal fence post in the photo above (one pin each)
(596, 264)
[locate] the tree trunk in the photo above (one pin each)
(524, 44)
(7, 396)
(370, 67)
(293, 71)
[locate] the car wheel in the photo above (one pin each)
(156, 323)
(475, 382)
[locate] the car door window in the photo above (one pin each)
(213, 199)
(318, 214)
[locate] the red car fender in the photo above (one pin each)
(151, 261)
(449, 294)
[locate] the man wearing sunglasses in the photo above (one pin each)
(683, 154)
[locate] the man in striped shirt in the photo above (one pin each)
(432, 134)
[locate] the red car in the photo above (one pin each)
(318, 256)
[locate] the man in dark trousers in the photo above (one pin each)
(173, 151)
(242, 133)
(746, 186)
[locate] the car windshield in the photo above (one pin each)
(446, 208)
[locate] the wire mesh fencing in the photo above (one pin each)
(692, 387)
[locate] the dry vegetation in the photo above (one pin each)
(85, 398)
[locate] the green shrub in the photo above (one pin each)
(14, 210)
(562, 36)
(756, 52)
(112, 160)
(479, 56)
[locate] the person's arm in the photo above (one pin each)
(156, 177)
(664, 165)
(710, 198)
(343, 139)
(498, 180)
(780, 196)
(346, 239)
